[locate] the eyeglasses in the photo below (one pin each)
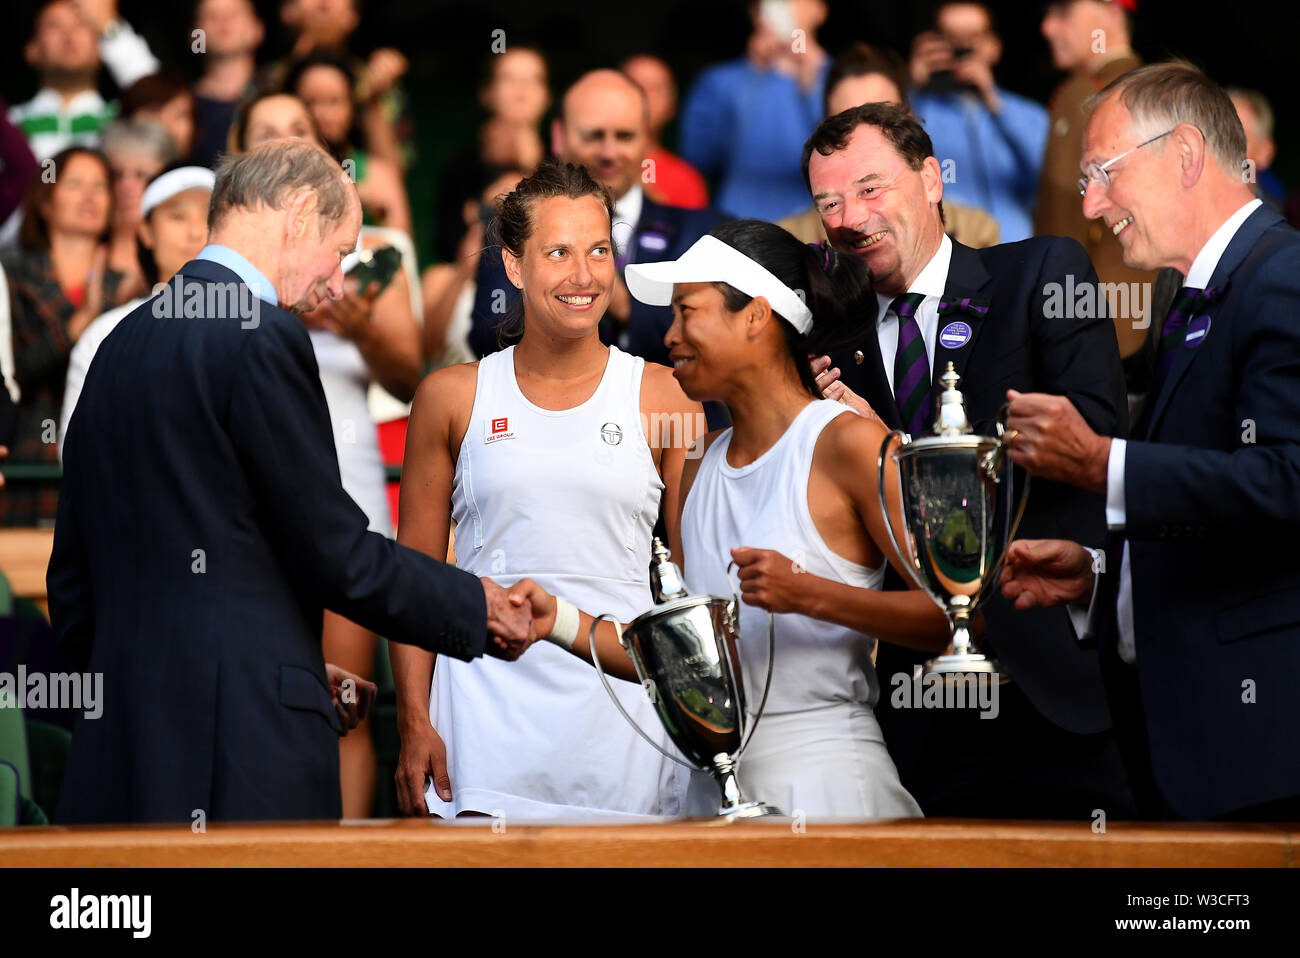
(1097, 171)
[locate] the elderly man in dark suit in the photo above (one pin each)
(604, 126)
(1006, 317)
(202, 528)
(1198, 606)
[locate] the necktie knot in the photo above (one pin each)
(1188, 304)
(906, 305)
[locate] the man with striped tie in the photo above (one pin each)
(1198, 619)
(1001, 316)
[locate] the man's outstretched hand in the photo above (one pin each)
(1046, 572)
(509, 623)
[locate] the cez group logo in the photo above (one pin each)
(498, 428)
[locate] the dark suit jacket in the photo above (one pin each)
(661, 233)
(202, 529)
(1017, 345)
(1212, 503)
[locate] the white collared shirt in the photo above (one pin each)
(627, 213)
(1198, 277)
(930, 284)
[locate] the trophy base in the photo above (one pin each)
(957, 664)
(749, 810)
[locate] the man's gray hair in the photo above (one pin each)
(269, 174)
(138, 136)
(1162, 95)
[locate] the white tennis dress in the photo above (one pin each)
(817, 749)
(569, 499)
(345, 378)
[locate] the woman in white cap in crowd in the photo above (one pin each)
(546, 456)
(172, 229)
(789, 492)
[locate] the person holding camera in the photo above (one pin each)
(989, 141)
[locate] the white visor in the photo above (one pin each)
(176, 181)
(710, 260)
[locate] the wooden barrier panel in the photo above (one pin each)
(421, 843)
(24, 557)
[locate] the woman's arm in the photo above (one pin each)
(672, 424)
(613, 659)
(425, 510)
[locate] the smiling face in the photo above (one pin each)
(80, 201)
(704, 341)
(1140, 205)
(177, 229)
(874, 206)
(311, 268)
(604, 129)
(566, 269)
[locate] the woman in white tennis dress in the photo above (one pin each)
(789, 493)
(538, 454)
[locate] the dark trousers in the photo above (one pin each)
(1017, 765)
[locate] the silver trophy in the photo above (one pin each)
(956, 494)
(684, 651)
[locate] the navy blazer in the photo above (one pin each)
(1212, 503)
(1017, 345)
(202, 530)
(661, 233)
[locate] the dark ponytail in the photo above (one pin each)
(836, 288)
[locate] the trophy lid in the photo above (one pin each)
(665, 578)
(951, 419)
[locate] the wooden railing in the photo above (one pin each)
(390, 843)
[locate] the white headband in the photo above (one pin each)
(710, 260)
(176, 181)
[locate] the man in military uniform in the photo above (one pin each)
(1090, 39)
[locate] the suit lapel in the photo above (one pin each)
(966, 277)
(654, 236)
(1242, 242)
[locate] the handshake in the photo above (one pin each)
(516, 617)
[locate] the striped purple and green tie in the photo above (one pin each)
(911, 366)
(1188, 304)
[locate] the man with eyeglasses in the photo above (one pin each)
(1090, 40)
(1197, 607)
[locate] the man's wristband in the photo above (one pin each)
(565, 630)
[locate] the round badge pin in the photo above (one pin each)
(954, 335)
(1197, 330)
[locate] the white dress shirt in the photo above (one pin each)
(929, 283)
(1198, 277)
(627, 213)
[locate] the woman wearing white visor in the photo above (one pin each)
(789, 492)
(173, 228)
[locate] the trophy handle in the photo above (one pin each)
(604, 679)
(903, 556)
(1010, 525)
(771, 661)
